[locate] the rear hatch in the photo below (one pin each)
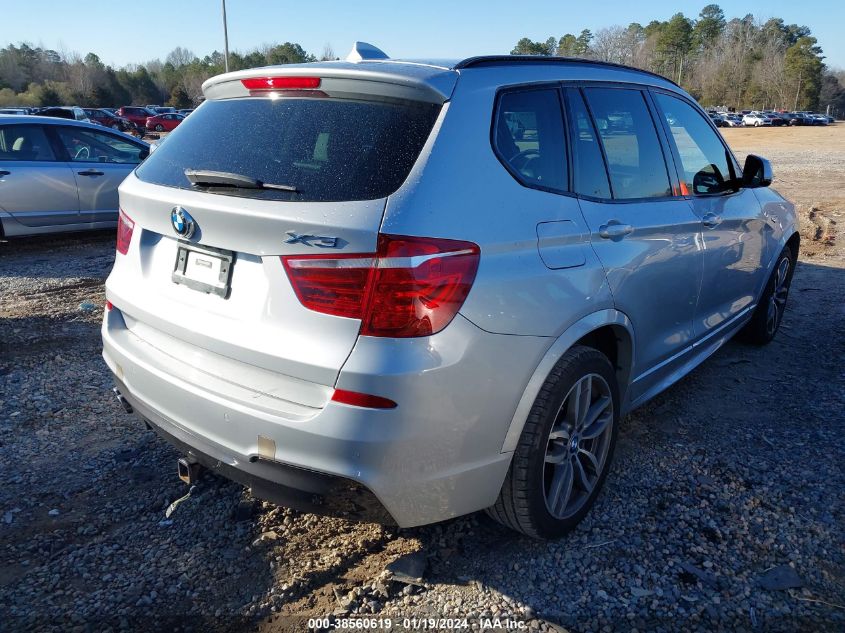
(267, 167)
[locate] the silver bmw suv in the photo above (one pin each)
(410, 290)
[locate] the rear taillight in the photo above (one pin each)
(125, 226)
(362, 400)
(413, 286)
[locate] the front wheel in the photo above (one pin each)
(768, 314)
(565, 449)
(159, 128)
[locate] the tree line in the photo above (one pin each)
(36, 76)
(741, 63)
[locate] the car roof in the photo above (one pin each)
(438, 77)
(51, 120)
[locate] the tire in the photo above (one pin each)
(527, 502)
(767, 317)
(159, 128)
(115, 126)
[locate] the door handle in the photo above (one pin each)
(4, 172)
(711, 219)
(613, 230)
(91, 172)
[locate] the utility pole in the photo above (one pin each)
(225, 39)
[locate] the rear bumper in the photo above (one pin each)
(436, 456)
(296, 488)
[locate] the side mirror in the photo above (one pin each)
(757, 172)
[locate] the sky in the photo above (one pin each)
(403, 29)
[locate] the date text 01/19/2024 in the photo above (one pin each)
(413, 623)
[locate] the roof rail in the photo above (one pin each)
(362, 51)
(491, 60)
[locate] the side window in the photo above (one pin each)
(24, 142)
(528, 137)
(88, 146)
(634, 159)
(705, 160)
(588, 172)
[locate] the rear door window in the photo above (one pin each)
(529, 140)
(88, 146)
(588, 171)
(705, 160)
(24, 142)
(635, 159)
(326, 149)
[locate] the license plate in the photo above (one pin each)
(203, 268)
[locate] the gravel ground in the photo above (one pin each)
(726, 486)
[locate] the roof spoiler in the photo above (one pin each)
(362, 51)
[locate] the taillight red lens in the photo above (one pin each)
(362, 400)
(413, 286)
(125, 226)
(258, 84)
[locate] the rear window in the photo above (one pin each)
(328, 149)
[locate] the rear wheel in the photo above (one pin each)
(565, 449)
(768, 315)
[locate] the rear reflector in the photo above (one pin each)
(125, 226)
(362, 400)
(413, 286)
(272, 84)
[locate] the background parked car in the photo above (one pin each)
(74, 113)
(13, 111)
(61, 175)
(164, 122)
(136, 114)
(733, 120)
(108, 119)
(185, 111)
(717, 119)
(775, 118)
(756, 119)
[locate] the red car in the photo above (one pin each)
(136, 114)
(164, 122)
(106, 118)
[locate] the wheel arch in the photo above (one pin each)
(610, 331)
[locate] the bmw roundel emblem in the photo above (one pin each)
(182, 222)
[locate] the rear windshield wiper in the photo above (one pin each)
(207, 178)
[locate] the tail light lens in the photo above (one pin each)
(125, 226)
(362, 400)
(412, 286)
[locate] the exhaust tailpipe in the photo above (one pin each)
(123, 401)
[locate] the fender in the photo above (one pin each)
(574, 333)
(780, 214)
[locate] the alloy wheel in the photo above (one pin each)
(577, 446)
(777, 302)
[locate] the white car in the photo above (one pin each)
(756, 120)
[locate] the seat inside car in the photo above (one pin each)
(23, 149)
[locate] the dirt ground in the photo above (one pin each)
(733, 472)
(809, 169)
